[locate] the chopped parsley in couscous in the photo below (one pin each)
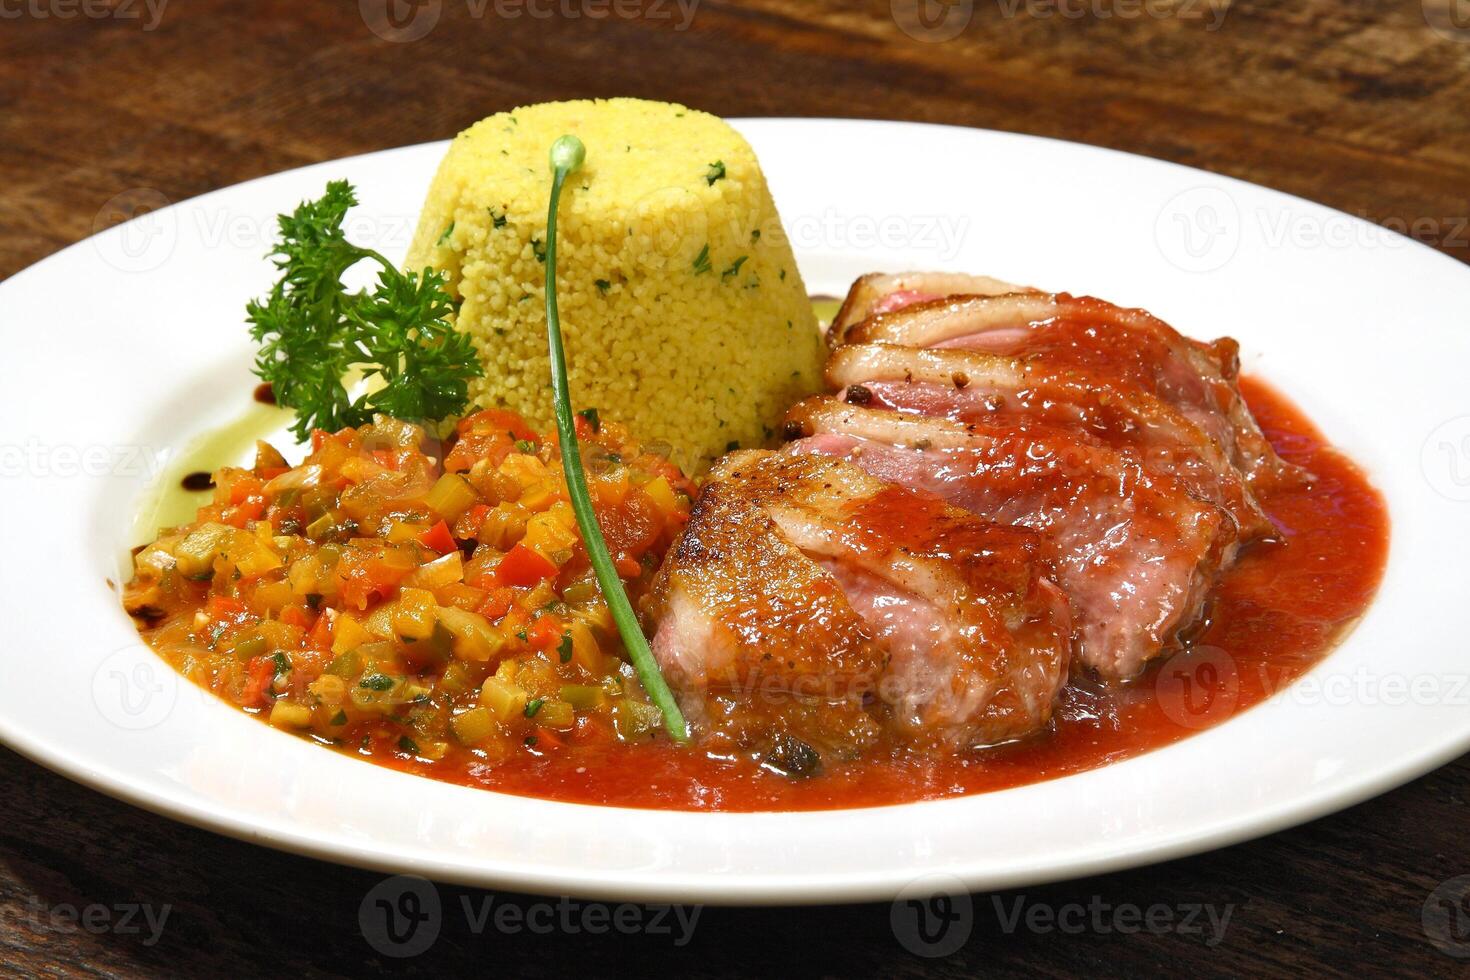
(684, 314)
(917, 597)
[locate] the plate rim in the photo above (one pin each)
(743, 888)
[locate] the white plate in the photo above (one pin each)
(121, 348)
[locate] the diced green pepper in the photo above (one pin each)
(346, 665)
(582, 697)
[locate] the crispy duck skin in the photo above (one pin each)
(881, 292)
(1129, 346)
(795, 567)
(1004, 483)
(975, 386)
(1132, 550)
(737, 606)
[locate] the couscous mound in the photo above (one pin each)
(684, 314)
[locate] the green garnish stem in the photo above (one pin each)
(567, 154)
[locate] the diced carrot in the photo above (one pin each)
(627, 567)
(438, 538)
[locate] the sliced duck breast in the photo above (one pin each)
(975, 386)
(882, 292)
(1133, 551)
(1129, 346)
(943, 623)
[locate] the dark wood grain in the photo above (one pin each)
(1359, 105)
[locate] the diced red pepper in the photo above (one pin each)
(224, 607)
(365, 580)
(439, 539)
(589, 728)
(490, 434)
(297, 616)
(244, 487)
(545, 633)
(496, 420)
(259, 673)
(523, 566)
(392, 459)
(321, 634)
(468, 524)
(547, 739)
(250, 510)
(627, 567)
(514, 622)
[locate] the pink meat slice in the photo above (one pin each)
(1134, 553)
(882, 292)
(808, 576)
(1130, 347)
(969, 386)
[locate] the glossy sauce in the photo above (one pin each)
(1275, 614)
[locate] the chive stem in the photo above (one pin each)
(567, 154)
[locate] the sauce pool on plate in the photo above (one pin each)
(1277, 613)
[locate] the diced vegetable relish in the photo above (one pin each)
(397, 604)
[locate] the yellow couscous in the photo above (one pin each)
(684, 314)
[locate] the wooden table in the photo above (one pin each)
(1361, 106)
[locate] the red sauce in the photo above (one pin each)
(1276, 614)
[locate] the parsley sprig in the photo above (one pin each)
(313, 333)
